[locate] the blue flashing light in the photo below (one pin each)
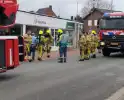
(106, 14)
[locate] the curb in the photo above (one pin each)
(119, 95)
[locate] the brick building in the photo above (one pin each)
(47, 12)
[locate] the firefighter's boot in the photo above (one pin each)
(48, 56)
(39, 58)
(94, 56)
(60, 60)
(30, 60)
(65, 60)
(81, 59)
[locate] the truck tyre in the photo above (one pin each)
(106, 52)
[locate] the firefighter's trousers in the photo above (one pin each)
(27, 52)
(93, 48)
(87, 50)
(40, 51)
(63, 53)
(32, 51)
(48, 49)
(82, 52)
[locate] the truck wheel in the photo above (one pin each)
(106, 52)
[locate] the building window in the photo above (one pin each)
(89, 22)
(95, 22)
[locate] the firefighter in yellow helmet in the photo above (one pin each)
(62, 43)
(48, 41)
(27, 43)
(59, 32)
(94, 45)
(82, 46)
(88, 46)
(40, 44)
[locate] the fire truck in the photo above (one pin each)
(111, 32)
(10, 46)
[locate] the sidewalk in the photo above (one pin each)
(119, 95)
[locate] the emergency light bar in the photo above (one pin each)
(8, 1)
(114, 15)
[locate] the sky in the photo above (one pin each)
(64, 8)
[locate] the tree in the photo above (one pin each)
(101, 4)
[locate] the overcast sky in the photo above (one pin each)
(65, 8)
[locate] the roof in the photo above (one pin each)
(34, 13)
(46, 11)
(100, 10)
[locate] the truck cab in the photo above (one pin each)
(111, 33)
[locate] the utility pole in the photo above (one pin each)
(76, 28)
(59, 12)
(77, 7)
(111, 5)
(92, 15)
(93, 3)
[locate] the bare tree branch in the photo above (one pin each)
(101, 4)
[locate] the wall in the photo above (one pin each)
(37, 20)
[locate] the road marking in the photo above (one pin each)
(119, 95)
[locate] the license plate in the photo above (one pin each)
(114, 43)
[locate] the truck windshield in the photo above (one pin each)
(112, 23)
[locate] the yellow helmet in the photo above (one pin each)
(60, 31)
(93, 32)
(40, 32)
(48, 31)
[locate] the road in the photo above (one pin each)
(96, 79)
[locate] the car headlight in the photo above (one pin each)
(102, 43)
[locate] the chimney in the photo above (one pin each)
(72, 18)
(50, 6)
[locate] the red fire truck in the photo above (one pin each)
(111, 32)
(9, 45)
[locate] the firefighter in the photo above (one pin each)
(40, 45)
(88, 46)
(27, 43)
(48, 42)
(62, 42)
(59, 32)
(94, 45)
(82, 46)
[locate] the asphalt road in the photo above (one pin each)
(95, 79)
